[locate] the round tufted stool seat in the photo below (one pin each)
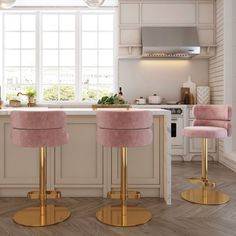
(205, 132)
(119, 128)
(40, 129)
(211, 122)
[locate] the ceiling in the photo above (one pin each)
(60, 3)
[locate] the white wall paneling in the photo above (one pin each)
(227, 39)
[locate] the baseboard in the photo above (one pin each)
(228, 161)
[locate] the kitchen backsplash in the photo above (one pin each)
(163, 77)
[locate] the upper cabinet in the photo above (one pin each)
(135, 14)
(168, 13)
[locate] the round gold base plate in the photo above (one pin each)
(123, 215)
(32, 216)
(205, 196)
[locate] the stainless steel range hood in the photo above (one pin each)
(170, 42)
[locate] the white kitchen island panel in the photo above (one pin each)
(84, 168)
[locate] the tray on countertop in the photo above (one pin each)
(124, 106)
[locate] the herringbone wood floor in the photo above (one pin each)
(181, 218)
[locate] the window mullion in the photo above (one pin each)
(78, 62)
(38, 52)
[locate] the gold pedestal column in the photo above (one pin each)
(205, 195)
(123, 215)
(42, 215)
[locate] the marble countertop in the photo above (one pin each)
(76, 111)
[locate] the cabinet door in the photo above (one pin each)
(18, 165)
(169, 13)
(143, 162)
(206, 13)
(80, 161)
(129, 13)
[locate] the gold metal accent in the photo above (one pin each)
(42, 215)
(203, 182)
(117, 195)
(125, 106)
(204, 195)
(123, 214)
(49, 194)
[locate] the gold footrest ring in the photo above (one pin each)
(130, 195)
(203, 182)
(37, 216)
(49, 195)
(123, 216)
(205, 196)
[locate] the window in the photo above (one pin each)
(65, 56)
(19, 53)
(97, 55)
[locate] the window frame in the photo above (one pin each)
(78, 51)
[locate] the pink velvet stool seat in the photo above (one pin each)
(211, 122)
(121, 128)
(40, 129)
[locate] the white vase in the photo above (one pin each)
(203, 95)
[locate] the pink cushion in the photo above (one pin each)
(119, 119)
(124, 138)
(215, 123)
(205, 132)
(116, 128)
(38, 128)
(212, 112)
(39, 138)
(38, 119)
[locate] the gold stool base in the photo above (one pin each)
(205, 197)
(31, 216)
(123, 215)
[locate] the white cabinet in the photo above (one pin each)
(206, 13)
(168, 13)
(84, 168)
(130, 13)
(135, 14)
(18, 165)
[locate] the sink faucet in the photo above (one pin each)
(31, 102)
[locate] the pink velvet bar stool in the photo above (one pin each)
(211, 122)
(122, 129)
(42, 129)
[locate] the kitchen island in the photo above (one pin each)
(82, 168)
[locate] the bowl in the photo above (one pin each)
(14, 103)
(154, 99)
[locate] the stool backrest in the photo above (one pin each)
(38, 128)
(38, 119)
(213, 115)
(117, 119)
